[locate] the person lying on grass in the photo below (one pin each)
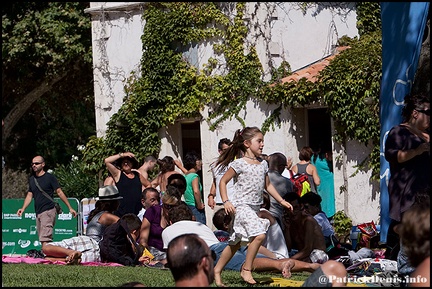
(86, 248)
(118, 245)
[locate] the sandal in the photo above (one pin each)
(250, 280)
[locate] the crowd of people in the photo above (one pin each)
(259, 222)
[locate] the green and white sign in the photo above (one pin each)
(19, 233)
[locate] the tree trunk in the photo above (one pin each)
(21, 107)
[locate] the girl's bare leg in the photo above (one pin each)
(254, 245)
(225, 257)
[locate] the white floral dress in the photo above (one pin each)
(247, 199)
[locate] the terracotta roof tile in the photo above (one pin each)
(311, 71)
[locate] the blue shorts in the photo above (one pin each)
(199, 214)
(237, 260)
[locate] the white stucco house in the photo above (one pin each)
(300, 37)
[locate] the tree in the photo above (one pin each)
(47, 81)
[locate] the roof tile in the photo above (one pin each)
(311, 71)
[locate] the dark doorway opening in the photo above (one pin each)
(319, 128)
(191, 140)
(191, 137)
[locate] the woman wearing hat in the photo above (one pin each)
(127, 181)
(86, 248)
(103, 214)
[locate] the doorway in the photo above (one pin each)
(319, 123)
(191, 137)
(191, 141)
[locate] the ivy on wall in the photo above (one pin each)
(170, 88)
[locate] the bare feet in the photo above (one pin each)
(218, 279)
(247, 276)
(286, 268)
(74, 258)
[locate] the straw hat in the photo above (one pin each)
(109, 193)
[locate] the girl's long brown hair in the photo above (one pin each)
(237, 147)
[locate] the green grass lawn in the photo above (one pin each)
(40, 275)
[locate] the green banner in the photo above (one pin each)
(19, 233)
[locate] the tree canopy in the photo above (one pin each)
(47, 81)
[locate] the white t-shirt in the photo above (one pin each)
(188, 227)
(286, 173)
(217, 175)
(141, 214)
(275, 240)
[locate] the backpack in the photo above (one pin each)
(300, 182)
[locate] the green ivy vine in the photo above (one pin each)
(170, 88)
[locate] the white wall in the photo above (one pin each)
(290, 34)
(117, 52)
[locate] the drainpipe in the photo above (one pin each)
(345, 177)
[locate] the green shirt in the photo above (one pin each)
(189, 193)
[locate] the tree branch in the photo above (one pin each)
(21, 107)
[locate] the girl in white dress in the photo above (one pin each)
(250, 172)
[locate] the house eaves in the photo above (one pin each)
(311, 71)
(115, 8)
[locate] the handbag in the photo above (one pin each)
(56, 205)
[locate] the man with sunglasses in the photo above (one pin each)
(407, 149)
(44, 207)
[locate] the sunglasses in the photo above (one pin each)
(425, 111)
(35, 163)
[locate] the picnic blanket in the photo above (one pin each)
(31, 260)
